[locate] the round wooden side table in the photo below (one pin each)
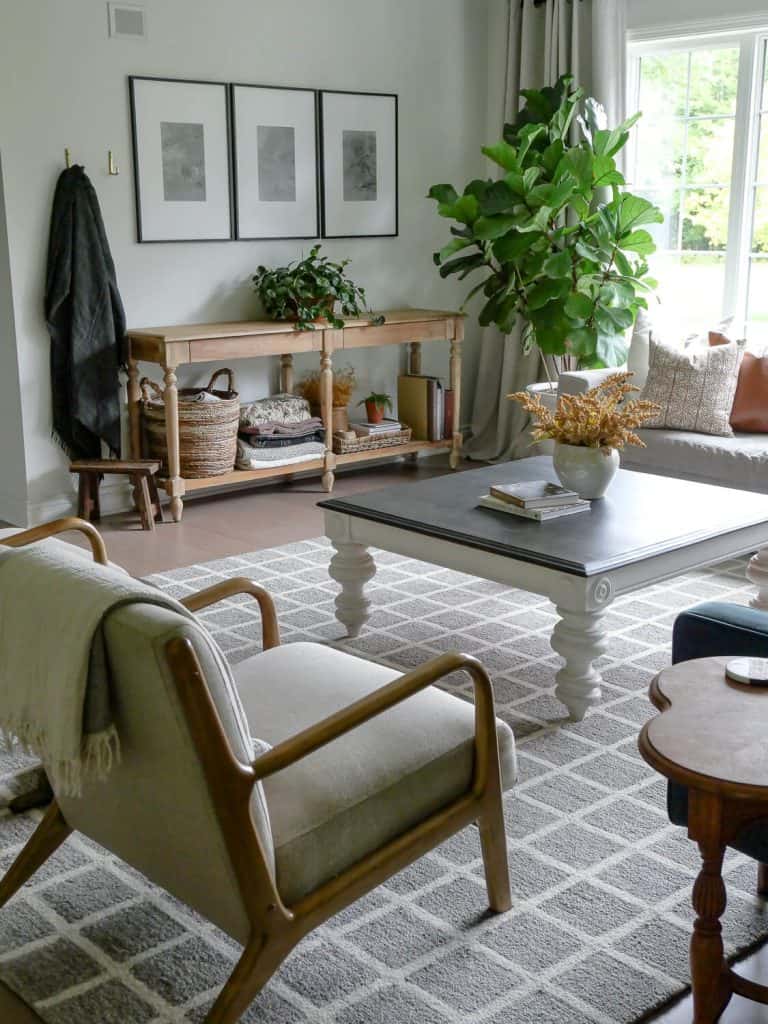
(712, 737)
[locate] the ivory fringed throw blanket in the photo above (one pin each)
(55, 697)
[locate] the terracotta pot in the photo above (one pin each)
(374, 412)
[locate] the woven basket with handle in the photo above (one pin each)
(207, 430)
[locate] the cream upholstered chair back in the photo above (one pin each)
(155, 810)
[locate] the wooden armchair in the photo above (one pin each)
(365, 771)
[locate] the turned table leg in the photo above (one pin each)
(286, 374)
(709, 971)
(134, 410)
(326, 408)
(174, 485)
(455, 373)
(579, 638)
(352, 566)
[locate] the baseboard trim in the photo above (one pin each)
(114, 496)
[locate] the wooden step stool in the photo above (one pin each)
(142, 475)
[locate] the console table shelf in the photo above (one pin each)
(171, 347)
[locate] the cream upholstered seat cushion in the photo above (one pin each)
(351, 796)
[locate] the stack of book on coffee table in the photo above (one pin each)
(534, 499)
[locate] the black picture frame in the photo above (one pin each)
(323, 164)
(140, 233)
(318, 171)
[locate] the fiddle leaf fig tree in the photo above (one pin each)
(558, 239)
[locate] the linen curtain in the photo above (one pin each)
(544, 41)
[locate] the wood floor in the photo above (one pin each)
(248, 520)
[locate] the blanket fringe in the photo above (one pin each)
(99, 752)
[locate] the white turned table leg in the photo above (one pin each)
(579, 638)
(757, 573)
(352, 566)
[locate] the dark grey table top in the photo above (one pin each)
(641, 516)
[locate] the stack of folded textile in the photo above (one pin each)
(278, 431)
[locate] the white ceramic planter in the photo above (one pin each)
(588, 471)
(548, 394)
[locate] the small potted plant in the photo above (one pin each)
(307, 291)
(589, 430)
(344, 382)
(375, 406)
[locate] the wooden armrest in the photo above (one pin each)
(98, 548)
(240, 585)
(331, 728)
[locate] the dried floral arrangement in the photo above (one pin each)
(344, 382)
(603, 417)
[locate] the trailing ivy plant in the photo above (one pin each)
(308, 290)
(562, 243)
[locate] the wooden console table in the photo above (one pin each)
(171, 347)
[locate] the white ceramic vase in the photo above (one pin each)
(588, 471)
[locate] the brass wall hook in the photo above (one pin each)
(67, 157)
(112, 167)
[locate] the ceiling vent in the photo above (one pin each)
(127, 21)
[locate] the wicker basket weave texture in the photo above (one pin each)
(366, 444)
(207, 430)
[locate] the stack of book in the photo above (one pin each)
(534, 499)
(426, 406)
(376, 429)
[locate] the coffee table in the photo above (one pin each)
(711, 738)
(647, 529)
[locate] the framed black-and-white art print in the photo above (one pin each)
(181, 160)
(358, 131)
(275, 146)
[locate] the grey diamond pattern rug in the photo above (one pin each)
(601, 880)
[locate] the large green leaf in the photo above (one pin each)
(552, 328)
(465, 209)
(444, 194)
(617, 293)
(579, 307)
(504, 155)
(613, 318)
(463, 265)
(582, 342)
(478, 188)
(511, 247)
(634, 211)
(579, 164)
(530, 176)
(559, 264)
(611, 348)
(639, 241)
(538, 222)
(605, 173)
(448, 250)
(545, 291)
(488, 228)
(499, 198)
(552, 156)
(528, 135)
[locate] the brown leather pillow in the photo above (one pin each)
(749, 414)
(716, 338)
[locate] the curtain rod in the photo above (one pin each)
(540, 3)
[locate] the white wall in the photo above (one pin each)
(63, 83)
(13, 478)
